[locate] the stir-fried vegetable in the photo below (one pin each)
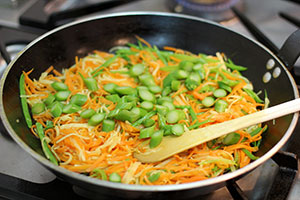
(96, 113)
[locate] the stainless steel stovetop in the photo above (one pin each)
(263, 13)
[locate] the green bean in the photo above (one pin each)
(220, 93)
(115, 177)
(174, 116)
(224, 86)
(181, 74)
(78, 99)
(46, 149)
(147, 79)
(169, 105)
(177, 129)
(56, 109)
(110, 87)
(105, 64)
(155, 89)
(192, 113)
(146, 95)
(50, 99)
(24, 104)
(175, 85)
(221, 105)
(96, 119)
(125, 90)
(231, 138)
(166, 91)
(38, 108)
(90, 83)
(250, 155)
(137, 70)
(147, 105)
(163, 99)
(62, 95)
(99, 173)
(232, 66)
(125, 115)
(114, 98)
(141, 120)
(197, 124)
(49, 124)
(148, 122)
(108, 125)
(186, 65)
(154, 177)
(208, 101)
(162, 109)
(59, 86)
(160, 56)
(88, 113)
(139, 111)
(156, 138)
(253, 95)
(71, 108)
(146, 132)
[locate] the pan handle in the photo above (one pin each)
(290, 50)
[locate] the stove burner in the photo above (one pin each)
(12, 51)
(216, 10)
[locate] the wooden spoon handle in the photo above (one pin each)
(171, 145)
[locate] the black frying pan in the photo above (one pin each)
(60, 46)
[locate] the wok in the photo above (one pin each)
(60, 46)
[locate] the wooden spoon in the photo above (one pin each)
(171, 145)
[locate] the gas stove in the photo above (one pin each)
(21, 21)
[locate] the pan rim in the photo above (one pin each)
(155, 188)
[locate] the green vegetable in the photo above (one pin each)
(154, 177)
(146, 95)
(96, 119)
(147, 105)
(137, 70)
(146, 132)
(169, 105)
(156, 138)
(148, 122)
(59, 86)
(174, 116)
(139, 111)
(49, 100)
(110, 87)
(78, 99)
(90, 83)
(166, 91)
(221, 105)
(253, 95)
(88, 113)
(192, 81)
(250, 155)
(232, 66)
(186, 65)
(208, 101)
(220, 93)
(115, 177)
(175, 85)
(38, 108)
(71, 108)
(24, 104)
(125, 115)
(155, 89)
(105, 64)
(224, 86)
(108, 125)
(177, 129)
(162, 109)
(46, 150)
(114, 98)
(231, 138)
(141, 120)
(125, 90)
(99, 173)
(181, 74)
(147, 79)
(56, 109)
(62, 95)
(49, 124)
(163, 99)
(197, 124)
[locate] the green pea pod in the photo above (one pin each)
(46, 150)
(24, 102)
